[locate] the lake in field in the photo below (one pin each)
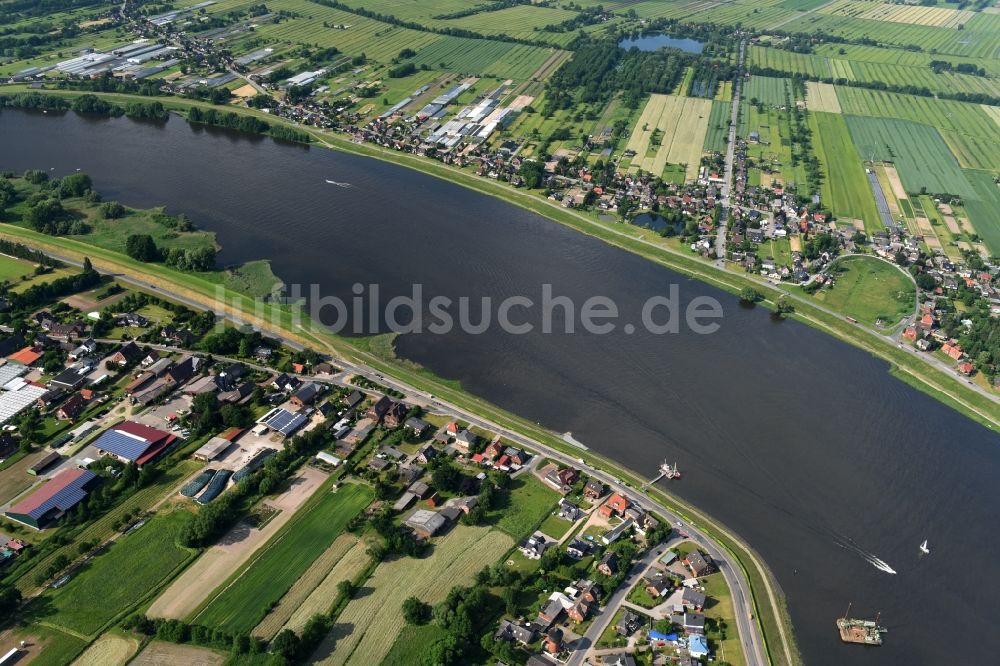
(656, 40)
(803, 445)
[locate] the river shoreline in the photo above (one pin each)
(780, 442)
(918, 374)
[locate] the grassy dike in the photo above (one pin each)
(376, 352)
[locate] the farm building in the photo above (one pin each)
(282, 421)
(134, 442)
(215, 447)
(43, 461)
(425, 523)
(52, 500)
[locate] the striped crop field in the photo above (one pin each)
(969, 130)
(993, 112)
(789, 61)
(367, 627)
(682, 123)
(348, 567)
(768, 90)
(718, 127)
(978, 39)
(938, 17)
(669, 9)
(748, 13)
(822, 97)
(483, 57)
(891, 56)
(518, 22)
(304, 587)
(841, 67)
(921, 156)
(960, 117)
(845, 189)
(982, 208)
(242, 602)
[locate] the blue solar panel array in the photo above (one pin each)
(123, 445)
(284, 421)
(66, 498)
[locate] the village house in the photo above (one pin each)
(628, 623)
(569, 511)
(534, 546)
(608, 564)
(378, 409)
(395, 415)
(126, 354)
(694, 623)
(692, 599)
(658, 587)
(511, 632)
(307, 394)
(72, 408)
(426, 453)
(594, 489)
(700, 565)
(416, 426)
(616, 505)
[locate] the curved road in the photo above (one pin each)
(749, 630)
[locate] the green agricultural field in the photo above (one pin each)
(977, 40)
(836, 66)
(968, 129)
(868, 289)
(918, 151)
(718, 127)
(845, 189)
(984, 208)
(12, 270)
(243, 600)
(768, 90)
(529, 501)
(138, 563)
(102, 528)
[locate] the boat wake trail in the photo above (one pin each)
(333, 182)
(848, 544)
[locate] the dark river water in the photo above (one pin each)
(803, 445)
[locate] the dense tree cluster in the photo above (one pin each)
(599, 69)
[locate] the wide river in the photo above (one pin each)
(803, 445)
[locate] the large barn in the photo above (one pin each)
(64, 491)
(133, 442)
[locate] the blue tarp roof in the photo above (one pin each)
(657, 636)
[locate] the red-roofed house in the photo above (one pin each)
(910, 333)
(616, 505)
(966, 368)
(26, 356)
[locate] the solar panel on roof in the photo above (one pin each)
(283, 421)
(122, 444)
